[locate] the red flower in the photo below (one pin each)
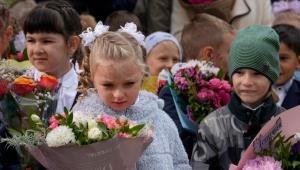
(3, 87)
(23, 85)
(48, 82)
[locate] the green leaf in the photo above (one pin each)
(135, 129)
(14, 132)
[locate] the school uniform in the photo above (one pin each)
(289, 94)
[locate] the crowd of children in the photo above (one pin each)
(107, 71)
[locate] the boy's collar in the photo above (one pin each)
(285, 86)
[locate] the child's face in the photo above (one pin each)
(118, 83)
(49, 53)
(163, 56)
(288, 64)
(251, 86)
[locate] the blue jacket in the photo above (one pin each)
(292, 97)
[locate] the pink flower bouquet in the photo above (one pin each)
(78, 142)
(199, 83)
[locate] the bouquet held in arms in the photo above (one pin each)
(81, 142)
(277, 145)
(200, 86)
(10, 70)
(36, 96)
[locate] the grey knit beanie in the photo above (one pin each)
(256, 47)
(153, 39)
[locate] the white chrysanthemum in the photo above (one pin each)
(60, 136)
(297, 137)
(83, 118)
(92, 123)
(94, 133)
(208, 68)
(176, 67)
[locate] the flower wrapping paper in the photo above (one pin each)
(117, 153)
(288, 125)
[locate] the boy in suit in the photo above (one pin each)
(287, 87)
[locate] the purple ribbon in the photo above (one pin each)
(282, 6)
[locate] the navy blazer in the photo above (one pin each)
(292, 97)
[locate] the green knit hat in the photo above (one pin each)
(256, 47)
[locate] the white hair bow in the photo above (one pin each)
(88, 36)
(131, 29)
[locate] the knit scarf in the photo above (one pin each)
(254, 119)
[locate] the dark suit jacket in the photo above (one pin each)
(186, 137)
(292, 97)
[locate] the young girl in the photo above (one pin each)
(163, 51)
(117, 69)
(51, 31)
(253, 68)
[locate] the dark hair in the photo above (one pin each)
(290, 36)
(120, 18)
(54, 17)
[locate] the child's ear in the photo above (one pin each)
(73, 43)
(206, 53)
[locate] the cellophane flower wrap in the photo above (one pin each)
(9, 70)
(199, 83)
(283, 153)
(37, 97)
(82, 142)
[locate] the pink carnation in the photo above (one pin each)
(215, 83)
(262, 163)
(124, 135)
(225, 85)
(109, 121)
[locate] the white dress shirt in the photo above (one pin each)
(67, 89)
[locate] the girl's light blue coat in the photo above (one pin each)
(166, 152)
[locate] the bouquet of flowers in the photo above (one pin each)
(200, 85)
(277, 145)
(282, 153)
(104, 142)
(35, 96)
(10, 70)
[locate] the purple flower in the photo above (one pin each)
(262, 163)
(296, 148)
(203, 95)
(190, 72)
(181, 82)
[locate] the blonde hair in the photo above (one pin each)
(116, 46)
(204, 30)
(289, 18)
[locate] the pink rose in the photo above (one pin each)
(53, 125)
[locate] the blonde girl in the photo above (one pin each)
(117, 69)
